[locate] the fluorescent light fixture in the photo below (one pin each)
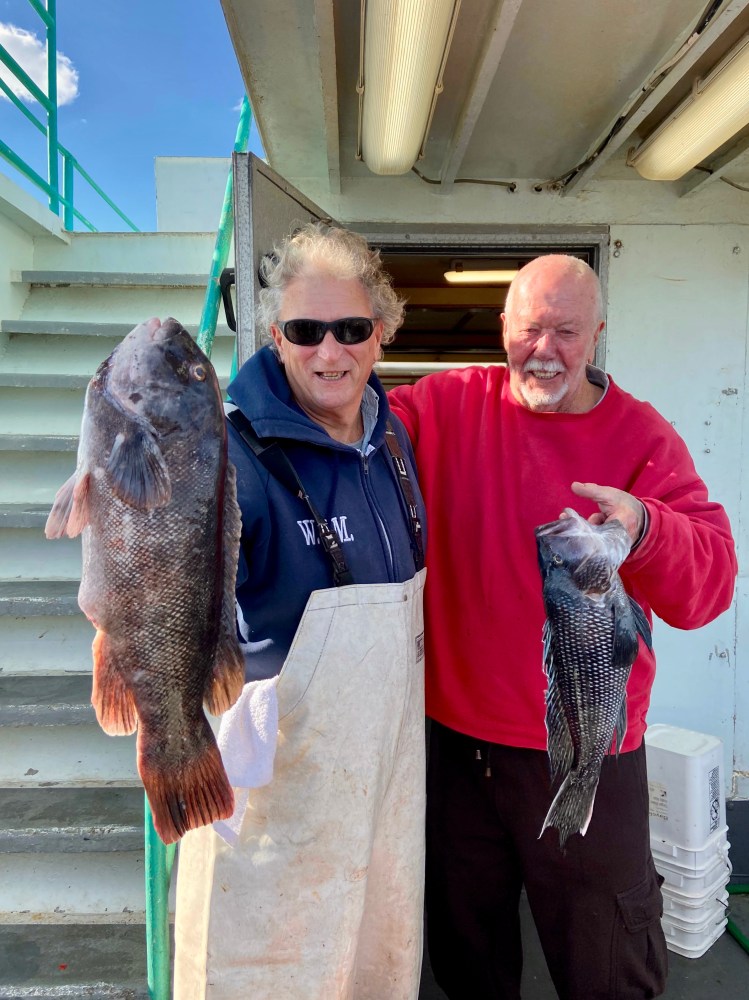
(486, 276)
(402, 56)
(716, 110)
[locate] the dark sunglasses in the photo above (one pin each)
(310, 332)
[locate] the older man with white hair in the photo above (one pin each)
(499, 452)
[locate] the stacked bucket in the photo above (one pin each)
(688, 835)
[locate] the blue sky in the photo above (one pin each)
(143, 79)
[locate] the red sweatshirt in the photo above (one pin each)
(491, 470)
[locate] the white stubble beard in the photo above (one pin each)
(537, 398)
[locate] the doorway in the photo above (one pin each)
(455, 288)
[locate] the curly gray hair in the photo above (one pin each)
(321, 248)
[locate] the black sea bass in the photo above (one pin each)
(590, 644)
(155, 498)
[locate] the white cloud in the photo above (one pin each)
(30, 52)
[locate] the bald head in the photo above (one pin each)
(551, 324)
(559, 268)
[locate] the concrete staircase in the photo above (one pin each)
(72, 901)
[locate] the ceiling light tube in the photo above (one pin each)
(404, 47)
(463, 277)
(716, 110)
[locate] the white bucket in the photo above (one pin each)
(693, 881)
(692, 944)
(686, 785)
(688, 913)
(692, 859)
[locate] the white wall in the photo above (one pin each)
(677, 313)
(190, 193)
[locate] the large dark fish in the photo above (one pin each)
(590, 644)
(154, 496)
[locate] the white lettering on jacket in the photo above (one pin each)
(311, 537)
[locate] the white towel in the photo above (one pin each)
(247, 741)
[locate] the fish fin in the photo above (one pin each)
(191, 792)
(620, 729)
(226, 680)
(624, 637)
(641, 622)
(113, 702)
(546, 639)
(137, 469)
(559, 741)
(572, 807)
(69, 514)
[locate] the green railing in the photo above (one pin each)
(55, 151)
(160, 858)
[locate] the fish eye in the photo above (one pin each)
(557, 559)
(198, 372)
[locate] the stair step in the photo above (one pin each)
(46, 701)
(39, 442)
(84, 991)
(28, 398)
(104, 307)
(106, 962)
(22, 599)
(33, 414)
(86, 329)
(71, 839)
(79, 356)
(80, 756)
(46, 643)
(26, 554)
(131, 279)
(34, 380)
(23, 515)
(68, 820)
(96, 887)
(34, 476)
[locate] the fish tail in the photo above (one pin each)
(112, 701)
(572, 808)
(192, 792)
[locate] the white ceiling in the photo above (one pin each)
(533, 88)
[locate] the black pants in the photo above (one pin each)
(596, 905)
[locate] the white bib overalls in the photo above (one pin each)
(322, 897)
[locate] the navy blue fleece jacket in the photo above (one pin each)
(281, 560)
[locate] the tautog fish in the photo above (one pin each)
(154, 496)
(589, 643)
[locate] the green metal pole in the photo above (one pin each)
(207, 328)
(68, 173)
(159, 861)
(52, 137)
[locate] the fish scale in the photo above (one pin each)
(154, 497)
(589, 645)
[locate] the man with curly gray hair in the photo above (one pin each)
(335, 251)
(314, 888)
